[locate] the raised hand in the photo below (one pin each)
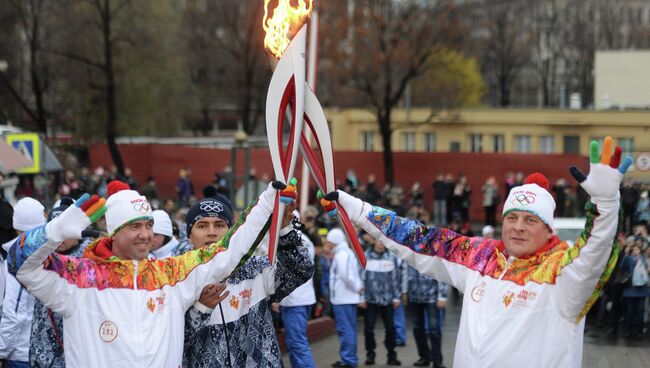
(289, 192)
(71, 223)
(605, 172)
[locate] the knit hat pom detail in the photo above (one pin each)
(210, 191)
(116, 186)
(539, 179)
(66, 201)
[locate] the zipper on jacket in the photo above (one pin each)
(505, 269)
(135, 275)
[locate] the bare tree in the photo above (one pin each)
(376, 47)
(548, 35)
(241, 37)
(506, 49)
(31, 16)
(582, 41)
(228, 60)
(103, 17)
(608, 19)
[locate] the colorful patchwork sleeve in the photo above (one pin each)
(25, 260)
(441, 253)
(585, 268)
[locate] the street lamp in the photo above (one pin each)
(241, 141)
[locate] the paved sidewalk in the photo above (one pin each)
(600, 351)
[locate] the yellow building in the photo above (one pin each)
(496, 130)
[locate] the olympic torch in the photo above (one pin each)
(286, 39)
(288, 88)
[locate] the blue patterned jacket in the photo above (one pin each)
(251, 336)
(381, 277)
(425, 289)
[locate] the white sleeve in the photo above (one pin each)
(585, 264)
(16, 315)
(218, 261)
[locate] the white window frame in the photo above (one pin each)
(475, 143)
(408, 141)
(430, 142)
(523, 143)
(547, 144)
(367, 141)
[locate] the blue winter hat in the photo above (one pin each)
(213, 205)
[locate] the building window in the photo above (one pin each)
(600, 140)
(475, 143)
(627, 146)
(367, 141)
(454, 146)
(430, 142)
(408, 141)
(547, 144)
(522, 144)
(571, 144)
(498, 144)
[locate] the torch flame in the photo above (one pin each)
(284, 24)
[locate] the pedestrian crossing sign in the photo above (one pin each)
(28, 144)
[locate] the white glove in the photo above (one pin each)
(70, 223)
(605, 174)
(352, 205)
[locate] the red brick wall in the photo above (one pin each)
(164, 161)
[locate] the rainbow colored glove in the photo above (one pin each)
(605, 172)
(71, 223)
(289, 192)
(327, 204)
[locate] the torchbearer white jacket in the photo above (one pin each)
(123, 313)
(526, 312)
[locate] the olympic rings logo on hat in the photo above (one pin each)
(211, 207)
(142, 207)
(522, 200)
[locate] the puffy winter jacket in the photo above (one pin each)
(381, 278)
(345, 276)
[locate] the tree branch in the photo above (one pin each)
(119, 8)
(23, 104)
(75, 57)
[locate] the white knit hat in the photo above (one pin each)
(162, 224)
(532, 197)
(487, 230)
(124, 206)
(336, 236)
(28, 214)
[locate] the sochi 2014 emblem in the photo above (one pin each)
(507, 299)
